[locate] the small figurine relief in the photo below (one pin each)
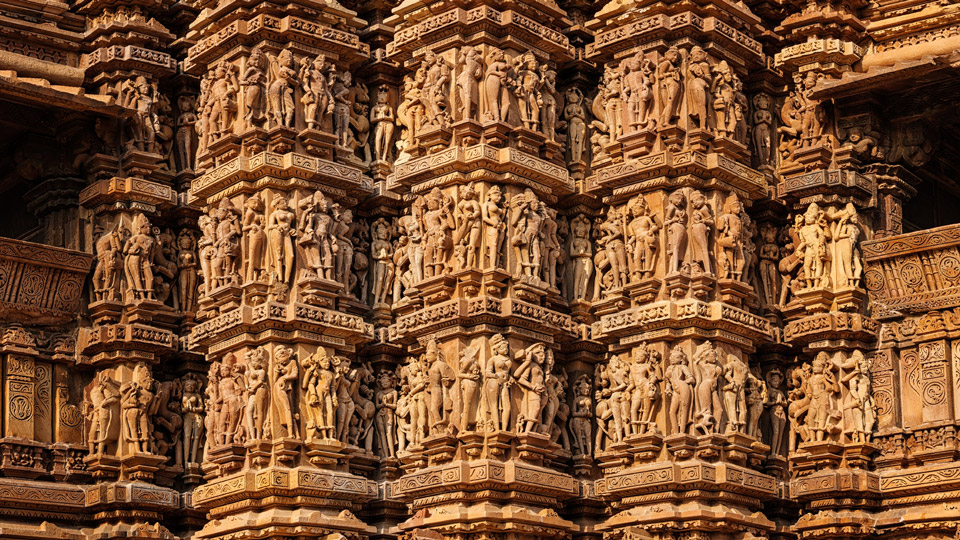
(253, 84)
(679, 388)
(317, 100)
(103, 403)
(136, 400)
(581, 417)
(285, 374)
(492, 214)
(110, 262)
(193, 411)
(581, 253)
(282, 80)
(860, 411)
(384, 121)
(469, 72)
(468, 227)
(646, 375)
(731, 239)
(138, 261)
(643, 239)
(258, 394)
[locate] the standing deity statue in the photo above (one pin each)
(550, 102)
(581, 252)
(861, 408)
(736, 379)
(280, 240)
(497, 382)
(382, 253)
(191, 406)
(385, 423)
(531, 379)
(612, 239)
(679, 388)
(468, 227)
(724, 99)
(575, 115)
(638, 87)
(283, 80)
(342, 94)
(644, 390)
(581, 416)
(823, 414)
(698, 87)
(317, 98)
(138, 260)
(106, 275)
(776, 405)
(701, 221)
(755, 397)
(136, 399)
(440, 380)
(643, 239)
(762, 129)
(224, 88)
(186, 131)
(258, 393)
(675, 223)
(187, 271)
(285, 374)
(438, 223)
(469, 72)
(529, 97)
(495, 87)
(468, 377)
(384, 121)
(254, 239)
(812, 247)
(253, 83)
(669, 80)
(708, 374)
(103, 400)
(730, 239)
(492, 214)
(846, 238)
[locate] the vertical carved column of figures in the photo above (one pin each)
(484, 383)
(675, 262)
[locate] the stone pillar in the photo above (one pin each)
(479, 305)
(680, 396)
(282, 163)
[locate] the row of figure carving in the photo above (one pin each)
(640, 94)
(147, 264)
(255, 399)
(821, 250)
(519, 91)
(832, 397)
(441, 234)
(152, 127)
(260, 244)
(436, 398)
(628, 242)
(270, 91)
(145, 416)
(712, 393)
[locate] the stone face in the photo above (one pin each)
(479, 270)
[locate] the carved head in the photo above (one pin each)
(697, 199)
(677, 356)
(820, 362)
(672, 55)
(641, 354)
(494, 194)
(774, 378)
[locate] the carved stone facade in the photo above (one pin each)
(480, 270)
